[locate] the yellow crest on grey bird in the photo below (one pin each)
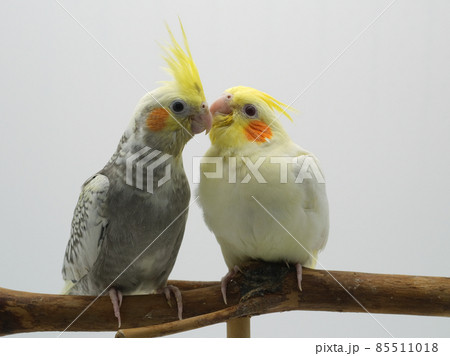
(182, 67)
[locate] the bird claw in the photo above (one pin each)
(116, 300)
(299, 269)
(176, 292)
(228, 277)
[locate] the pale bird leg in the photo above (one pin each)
(176, 292)
(299, 269)
(116, 300)
(228, 277)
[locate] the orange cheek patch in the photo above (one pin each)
(156, 120)
(258, 131)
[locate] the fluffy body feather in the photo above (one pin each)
(124, 237)
(265, 213)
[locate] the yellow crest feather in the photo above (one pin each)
(182, 67)
(274, 104)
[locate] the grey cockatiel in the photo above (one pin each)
(130, 218)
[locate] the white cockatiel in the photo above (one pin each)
(269, 203)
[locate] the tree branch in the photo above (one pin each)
(262, 288)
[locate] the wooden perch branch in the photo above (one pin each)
(262, 288)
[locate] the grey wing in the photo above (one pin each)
(88, 229)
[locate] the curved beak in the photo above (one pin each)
(202, 121)
(222, 105)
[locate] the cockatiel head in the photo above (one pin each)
(168, 117)
(246, 117)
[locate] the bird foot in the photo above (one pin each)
(176, 292)
(299, 269)
(116, 300)
(224, 282)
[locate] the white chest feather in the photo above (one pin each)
(263, 213)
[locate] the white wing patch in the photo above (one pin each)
(88, 228)
(314, 199)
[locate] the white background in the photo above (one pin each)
(378, 119)
(200, 347)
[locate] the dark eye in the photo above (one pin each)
(178, 106)
(250, 110)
